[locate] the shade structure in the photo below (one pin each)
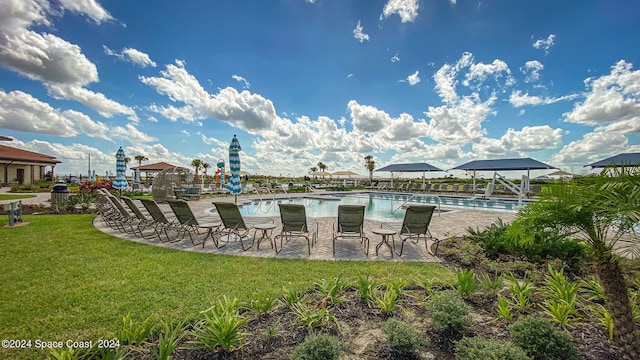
(409, 167)
(120, 181)
(560, 173)
(345, 173)
(626, 159)
(504, 164)
(234, 185)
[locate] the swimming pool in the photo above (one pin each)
(378, 206)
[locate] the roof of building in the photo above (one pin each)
(11, 153)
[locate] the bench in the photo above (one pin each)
(191, 193)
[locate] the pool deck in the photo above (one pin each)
(445, 225)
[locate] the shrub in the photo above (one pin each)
(318, 347)
(448, 310)
(541, 340)
(402, 336)
(476, 348)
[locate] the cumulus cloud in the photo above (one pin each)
(545, 44)
(531, 70)
(245, 110)
(97, 101)
(612, 99)
(519, 142)
(592, 147)
(412, 79)
(239, 78)
(406, 9)
(90, 8)
(359, 34)
(131, 55)
(518, 99)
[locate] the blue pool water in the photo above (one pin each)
(378, 206)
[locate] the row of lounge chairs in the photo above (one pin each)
(451, 189)
(234, 227)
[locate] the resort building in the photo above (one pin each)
(23, 167)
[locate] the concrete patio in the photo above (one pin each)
(447, 224)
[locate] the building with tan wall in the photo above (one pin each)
(24, 167)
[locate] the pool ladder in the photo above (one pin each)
(411, 197)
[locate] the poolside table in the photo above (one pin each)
(385, 234)
(266, 230)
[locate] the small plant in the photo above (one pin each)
(291, 296)
(221, 329)
(330, 291)
(591, 290)
(504, 311)
(541, 340)
(169, 338)
(466, 282)
(520, 292)
(561, 312)
(318, 347)
(365, 286)
(448, 310)
(475, 348)
(132, 332)
(490, 284)
(387, 299)
(604, 317)
(558, 288)
(314, 317)
(402, 336)
(493, 238)
(272, 331)
(261, 303)
(428, 285)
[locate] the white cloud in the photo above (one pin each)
(174, 113)
(245, 110)
(46, 58)
(412, 79)
(459, 124)
(97, 101)
(519, 142)
(406, 9)
(531, 70)
(90, 8)
(359, 34)
(367, 118)
(395, 58)
(480, 72)
(242, 80)
(613, 98)
(137, 57)
(592, 147)
(131, 133)
(22, 112)
(545, 44)
(518, 99)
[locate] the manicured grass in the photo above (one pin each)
(63, 279)
(15, 197)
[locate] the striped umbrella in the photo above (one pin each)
(233, 185)
(121, 181)
(221, 167)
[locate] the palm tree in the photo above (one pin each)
(205, 166)
(313, 169)
(196, 163)
(600, 214)
(370, 165)
(140, 159)
(322, 166)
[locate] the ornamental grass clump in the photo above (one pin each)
(541, 340)
(402, 336)
(448, 310)
(318, 347)
(221, 328)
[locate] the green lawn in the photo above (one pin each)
(15, 197)
(63, 279)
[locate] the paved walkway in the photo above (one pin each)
(442, 226)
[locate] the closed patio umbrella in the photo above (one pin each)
(233, 185)
(120, 181)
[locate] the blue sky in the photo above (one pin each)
(301, 81)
